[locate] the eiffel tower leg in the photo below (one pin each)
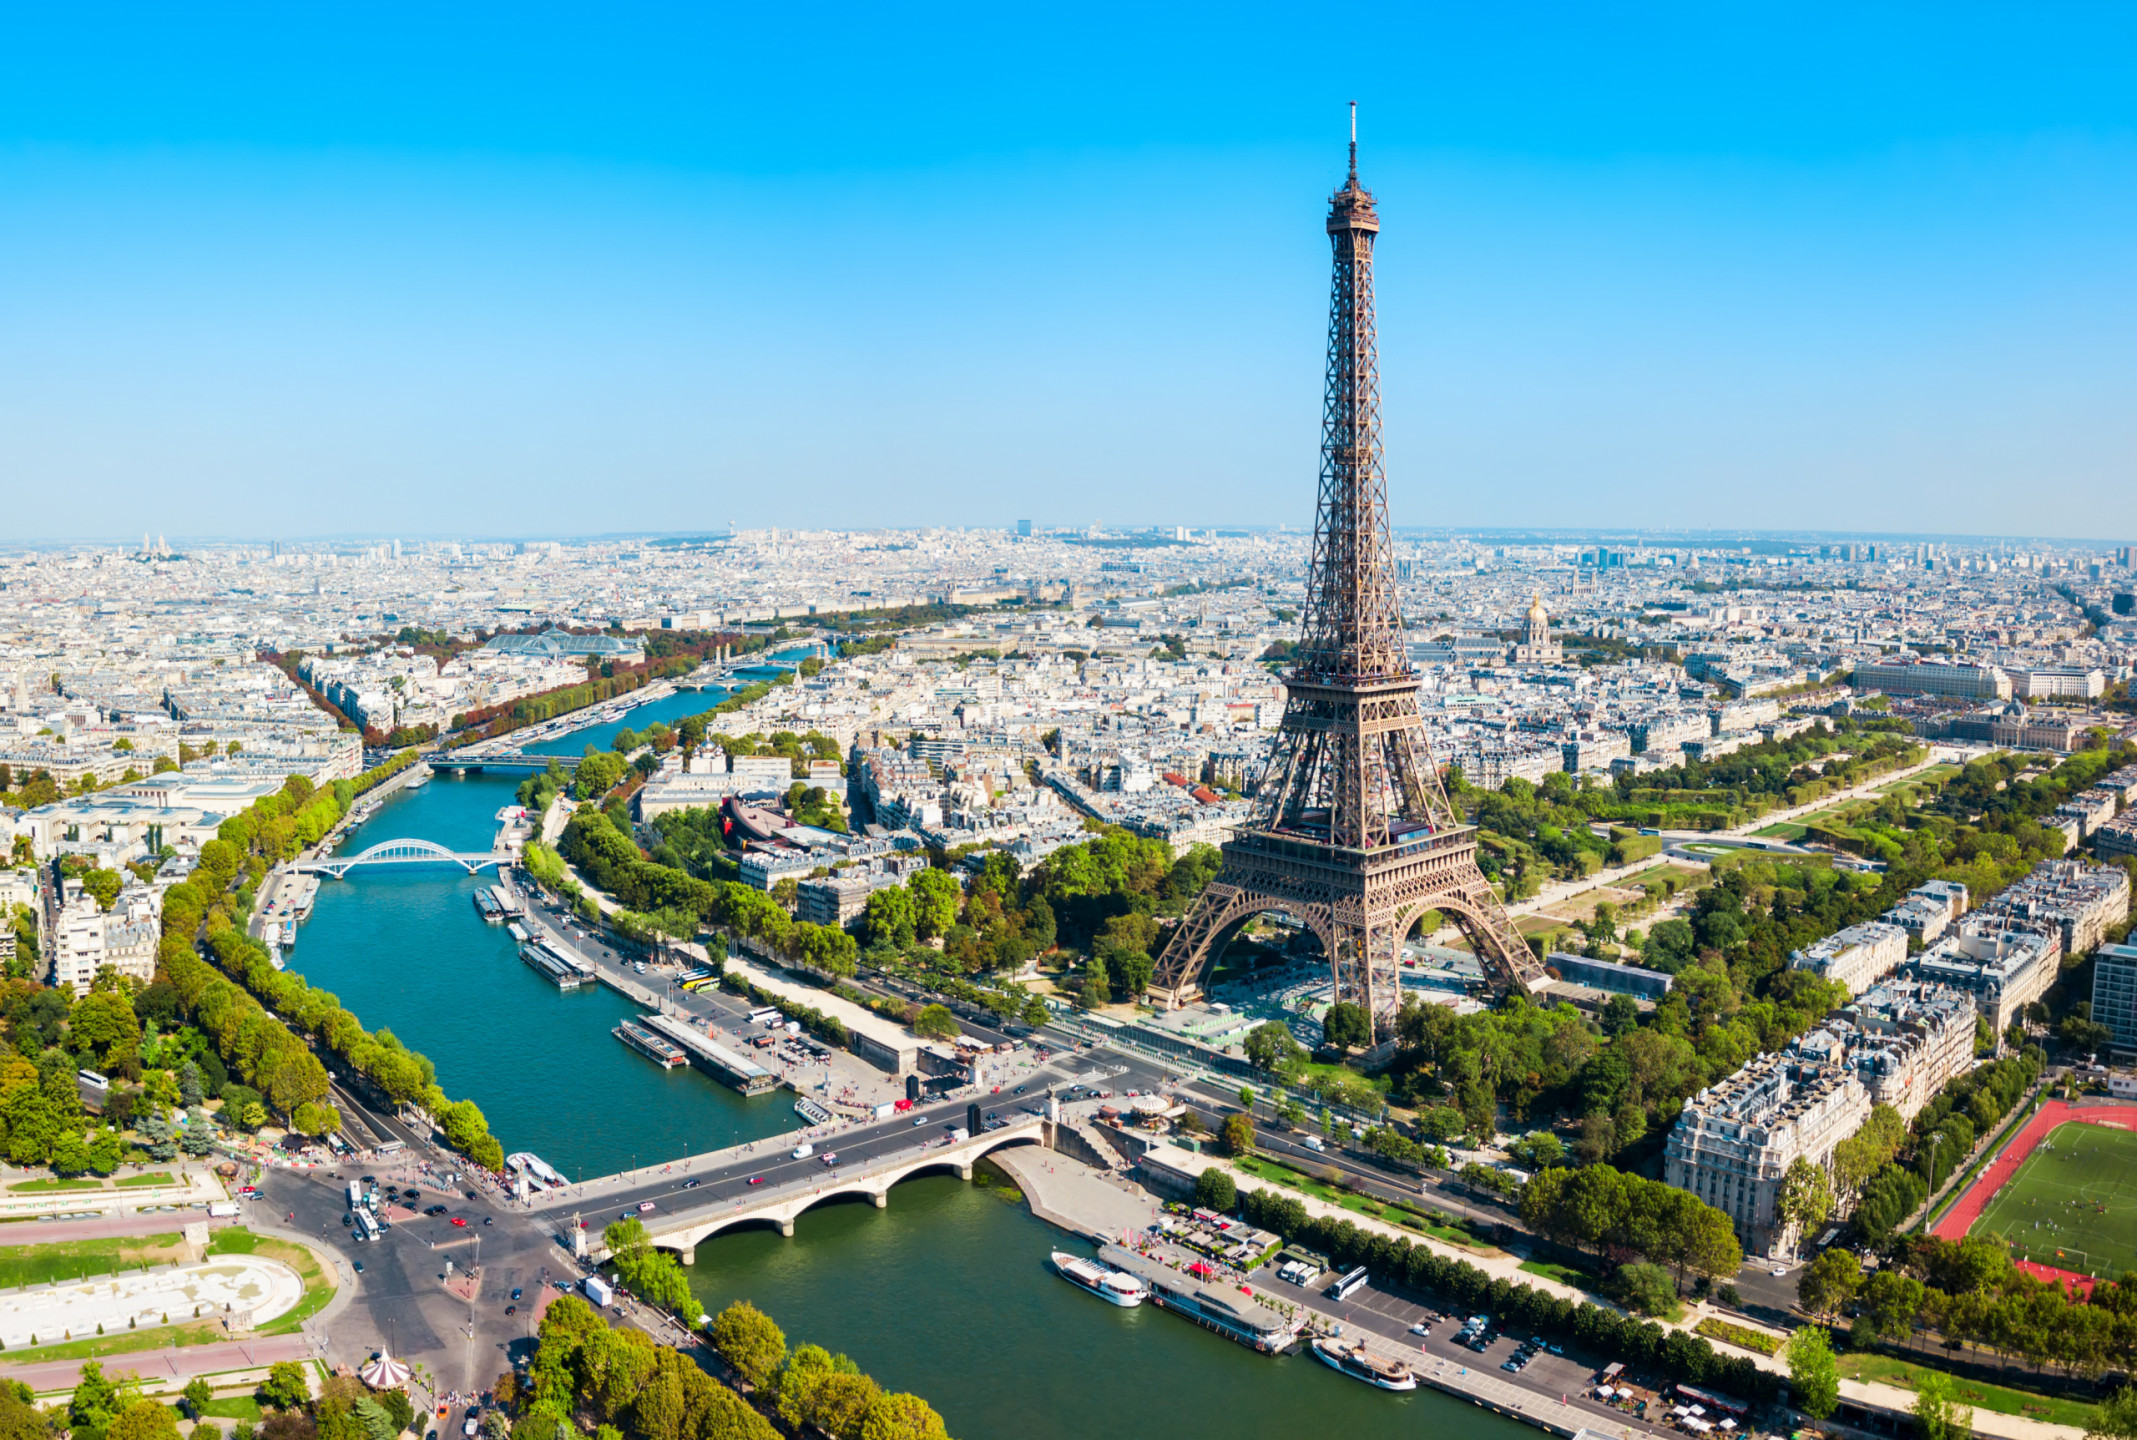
(1177, 979)
(1475, 909)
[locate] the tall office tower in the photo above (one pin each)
(1352, 832)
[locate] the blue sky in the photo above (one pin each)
(535, 269)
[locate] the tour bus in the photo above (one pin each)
(366, 1225)
(356, 1196)
(1349, 1285)
(702, 982)
(92, 1080)
(765, 1016)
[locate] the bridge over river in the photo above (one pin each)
(772, 1187)
(404, 852)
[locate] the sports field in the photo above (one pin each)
(2073, 1203)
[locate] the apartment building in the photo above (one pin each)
(81, 939)
(1924, 677)
(1905, 1039)
(2114, 995)
(1929, 910)
(2117, 837)
(2004, 961)
(2081, 900)
(1858, 957)
(1735, 1139)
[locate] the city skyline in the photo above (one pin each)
(1630, 274)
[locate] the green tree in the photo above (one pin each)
(1036, 1012)
(1813, 1378)
(1216, 1190)
(1647, 1288)
(1237, 1135)
(936, 1022)
(1829, 1282)
(748, 1340)
(1269, 1046)
(1937, 1415)
(95, 1400)
(286, 1387)
(1805, 1197)
(2115, 1418)
(935, 901)
(902, 1417)
(197, 1394)
(144, 1420)
(1096, 989)
(1347, 1027)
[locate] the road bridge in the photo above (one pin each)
(403, 852)
(509, 760)
(792, 1186)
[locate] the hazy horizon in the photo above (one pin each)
(496, 273)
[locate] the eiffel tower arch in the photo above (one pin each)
(1352, 831)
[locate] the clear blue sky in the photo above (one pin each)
(298, 270)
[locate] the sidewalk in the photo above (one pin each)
(1505, 1266)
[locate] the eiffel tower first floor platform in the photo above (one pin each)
(1361, 904)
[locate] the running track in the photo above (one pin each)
(1962, 1215)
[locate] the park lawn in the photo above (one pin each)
(2073, 1203)
(318, 1285)
(235, 1407)
(1786, 830)
(124, 1342)
(52, 1184)
(1563, 1274)
(161, 1177)
(1892, 1370)
(78, 1259)
(1738, 1335)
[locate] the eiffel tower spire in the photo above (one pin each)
(1352, 832)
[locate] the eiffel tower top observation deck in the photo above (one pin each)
(1352, 831)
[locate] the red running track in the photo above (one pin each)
(1962, 1215)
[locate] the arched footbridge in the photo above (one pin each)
(781, 1201)
(404, 852)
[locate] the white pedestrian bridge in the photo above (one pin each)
(404, 852)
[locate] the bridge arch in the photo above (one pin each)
(408, 850)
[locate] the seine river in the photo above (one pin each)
(945, 1293)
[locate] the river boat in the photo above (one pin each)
(658, 1048)
(1232, 1313)
(486, 905)
(551, 966)
(1361, 1364)
(1115, 1287)
(537, 1170)
(419, 777)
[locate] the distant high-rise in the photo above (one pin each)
(1024, 529)
(1352, 831)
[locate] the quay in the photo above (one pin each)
(711, 1057)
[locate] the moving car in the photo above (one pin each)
(461, 1221)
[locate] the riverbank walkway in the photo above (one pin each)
(1505, 1265)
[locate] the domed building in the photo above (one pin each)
(1538, 648)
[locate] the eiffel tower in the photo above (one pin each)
(1352, 832)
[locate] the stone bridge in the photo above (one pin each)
(781, 1205)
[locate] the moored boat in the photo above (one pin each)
(1115, 1287)
(1361, 1364)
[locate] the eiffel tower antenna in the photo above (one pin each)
(1352, 832)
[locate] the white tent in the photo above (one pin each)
(383, 1372)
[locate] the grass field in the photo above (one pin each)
(2073, 1204)
(75, 1259)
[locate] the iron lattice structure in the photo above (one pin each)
(1352, 833)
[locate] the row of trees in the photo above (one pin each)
(1610, 1215)
(1467, 1289)
(1941, 1137)
(257, 1016)
(587, 1375)
(1968, 1292)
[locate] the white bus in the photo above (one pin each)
(366, 1225)
(1349, 1285)
(356, 1196)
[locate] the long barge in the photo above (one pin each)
(706, 1054)
(549, 963)
(1233, 1314)
(658, 1048)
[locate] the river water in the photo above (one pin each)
(945, 1293)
